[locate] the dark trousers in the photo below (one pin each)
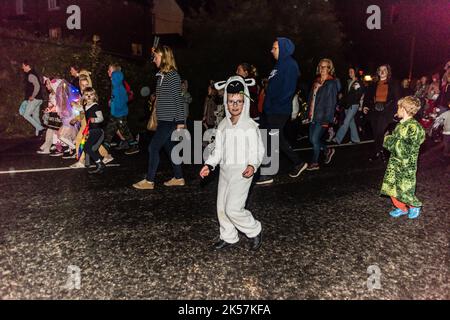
(162, 139)
(278, 122)
(118, 124)
(95, 136)
(380, 121)
(95, 147)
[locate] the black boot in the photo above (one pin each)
(100, 168)
(256, 242)
(221, 245)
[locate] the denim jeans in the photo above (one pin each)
(32, 113)
(349, 122)
(316, 133)
(162, 139)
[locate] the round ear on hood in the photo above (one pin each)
(220, 85)
(250, 82)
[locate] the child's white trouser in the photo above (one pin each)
(231, 198)
(50, 139)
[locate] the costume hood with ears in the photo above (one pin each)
(236, 84)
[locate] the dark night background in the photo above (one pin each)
(429, 20)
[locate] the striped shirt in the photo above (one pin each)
(169, 99)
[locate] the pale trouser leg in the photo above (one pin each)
(236, 217)
(48, 140)
(349, 122)
(228, 232)
(354, 135)
(68, 142)
(55, 137)
(32, 114)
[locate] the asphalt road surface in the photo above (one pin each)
(327, 234)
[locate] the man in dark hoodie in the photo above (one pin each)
(278, 104)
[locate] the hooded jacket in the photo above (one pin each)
(240, 145)
(282, 80)
(119, 97)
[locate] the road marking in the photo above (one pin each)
(340, 145)
(12, 171)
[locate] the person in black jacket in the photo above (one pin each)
(352, 101)
(380, 104)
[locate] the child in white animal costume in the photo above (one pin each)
(239, 150)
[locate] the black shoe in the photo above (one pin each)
(297, 171)
(222, 245)
(71, 154)
(264, 180)
(56, 153)
(256, 242)
(100, 168)
(132, 150)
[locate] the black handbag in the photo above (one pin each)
(52, 120)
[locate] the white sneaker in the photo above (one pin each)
(108, 159)
(77, 165)
(43, 152)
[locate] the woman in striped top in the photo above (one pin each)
(171, 116)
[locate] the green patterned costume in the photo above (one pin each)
(400, 178)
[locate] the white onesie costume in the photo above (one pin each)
(236, 147)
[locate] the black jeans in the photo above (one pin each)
(95, 136)
(278, 122)
(380, 121)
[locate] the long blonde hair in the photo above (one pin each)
(167, 59)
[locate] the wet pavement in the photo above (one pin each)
(322, 232)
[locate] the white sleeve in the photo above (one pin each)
(216, 156)
(98, 117)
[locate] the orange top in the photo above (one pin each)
(382, 91)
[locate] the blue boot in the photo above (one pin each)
(414, 213)
(397, 213)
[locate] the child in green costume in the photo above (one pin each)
(404, 144)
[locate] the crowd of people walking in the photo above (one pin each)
(399, 117)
